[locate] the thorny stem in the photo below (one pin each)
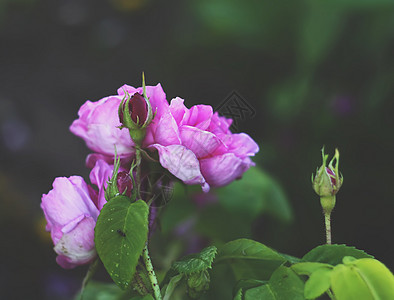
(327, 218)
(151, 273)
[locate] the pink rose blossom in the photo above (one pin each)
(197, 146)
(71, 209)
(194, 144)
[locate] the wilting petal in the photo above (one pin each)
(222, 169)
(182, 163)
(76, 247)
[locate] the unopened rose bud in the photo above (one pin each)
(135, 113)
(138, 110)
(327, 181)
(124, 183)
(120, 182)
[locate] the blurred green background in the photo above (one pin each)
(316, 73)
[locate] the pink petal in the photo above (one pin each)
(98, 125)
(68, 200)
(200, 116)
(241, 145)
(222, 169)
(182, 163)
(76, 247)
(220, 124)
(202, 143)
(178, 110)
(99, 176)
(167, 132)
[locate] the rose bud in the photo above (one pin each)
(327, 181)
(124, 183)
(135, 113)
(137, 108)
(121, 183)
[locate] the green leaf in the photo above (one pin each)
(260, 292)
(104, 291)
(363, 276)
(196, 262)
(307, 268)
(238, 295)
(120, 236)
(333, 254)
(256, 193)
(250, 259)
(347, 284)
(244, 285)
(285, 284)
(248, 284)
(318, 283)
(146, 297)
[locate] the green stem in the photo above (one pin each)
(92, 269)
(330, 294)
(151, 273)
(327, 218)
(138, 175)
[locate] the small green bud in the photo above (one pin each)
(198, 283)
(327, 181)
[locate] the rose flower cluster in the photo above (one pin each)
(195, 145)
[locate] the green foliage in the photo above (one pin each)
(307, 268)
(250, 259)
(197, 262)
(283, 284)
(105, 291)
(170, 287)
(255, 194)
(365, 278)
(318, 283)
(120, 236)
(194, 268)
(333, 254)
(241, 202)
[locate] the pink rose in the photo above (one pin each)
(194, 144)
(71, 209)
(197, 146)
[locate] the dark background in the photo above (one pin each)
(316, 72)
